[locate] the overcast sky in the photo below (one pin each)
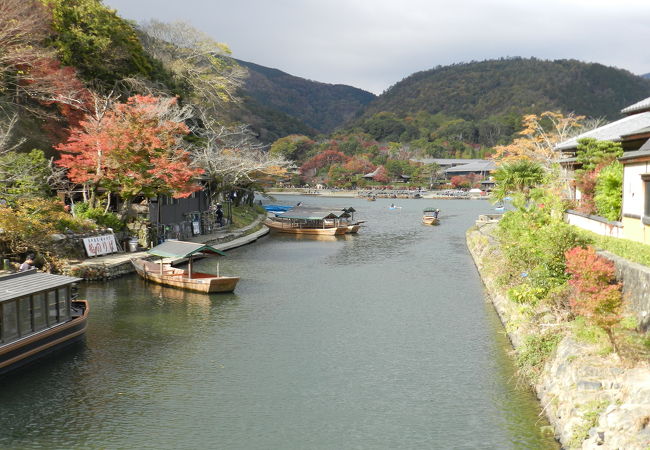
(372, 44)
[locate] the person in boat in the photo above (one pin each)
(219, 214)
(435, 213)
(392, 205)
(299, 204)
(28, 264)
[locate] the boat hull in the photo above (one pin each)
(281, 227)
(35, 346)
(353, 228)
(430, 220)
(200, 282)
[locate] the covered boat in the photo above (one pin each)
(430, 216)
(303, 220)
(38, 316)
(165, 274)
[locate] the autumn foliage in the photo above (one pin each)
(324, 159)
(596, 293)
(133, 149)
(538, 138)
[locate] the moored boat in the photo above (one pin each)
(303, 220)
(165, 274)
(39, 316)
(430, 216)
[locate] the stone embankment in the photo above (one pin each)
(593, 399)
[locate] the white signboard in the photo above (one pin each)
(100, 245)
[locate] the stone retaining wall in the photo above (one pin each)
(581, 392)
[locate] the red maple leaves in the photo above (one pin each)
(135, 148)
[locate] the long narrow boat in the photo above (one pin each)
(39, 316)
(430, 216)
(303, 220)
(165, 274)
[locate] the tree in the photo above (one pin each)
(593, 155)
(596, 293)
(324, 159)
(134, 148)
(234, 160)
(609, 191)
(101, 45)
(293, 147)
(195, 60)
(519, 176)
(540, 134)
(30, 75)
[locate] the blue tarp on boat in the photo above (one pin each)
(277, 208)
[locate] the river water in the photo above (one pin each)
(382, 340)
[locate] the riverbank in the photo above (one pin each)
(592, 397)
(355, 193)
(118, 264)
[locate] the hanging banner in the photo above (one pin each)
(100, 245)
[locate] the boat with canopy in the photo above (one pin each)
(303, 220)
(430, 216)
(163, 273)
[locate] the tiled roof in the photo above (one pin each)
(634, 155)
(643, 105)
(447, 161)
(479, 166)
(612, 131)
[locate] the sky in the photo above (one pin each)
(373, 44)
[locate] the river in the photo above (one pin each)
(381, 340)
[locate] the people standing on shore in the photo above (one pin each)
(28, 264)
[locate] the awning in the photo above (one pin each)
(182, 249)
(302, 213)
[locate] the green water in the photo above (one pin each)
(380, 340)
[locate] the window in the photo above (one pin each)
(64, 304)
(25, 316)
(52, 310)
(38, 311)
(9, 321)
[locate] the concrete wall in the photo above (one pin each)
(596, 224)
(636, 287)
(635, 230)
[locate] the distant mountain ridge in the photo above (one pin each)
(646, 75)
(478, 90)
(322, 107)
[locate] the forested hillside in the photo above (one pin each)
(479, 90)
(321, 106)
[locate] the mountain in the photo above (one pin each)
(478, 90)
(323, 107)
(647, 75)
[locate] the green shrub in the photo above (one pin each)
(609, 191)
(526, 293)
(534, 352)
(97, 215)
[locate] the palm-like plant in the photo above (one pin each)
(519, 177)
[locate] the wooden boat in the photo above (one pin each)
(165, 274)
(430, 216)
(39, 316)
(303, 220)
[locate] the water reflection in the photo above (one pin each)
(379, 340)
